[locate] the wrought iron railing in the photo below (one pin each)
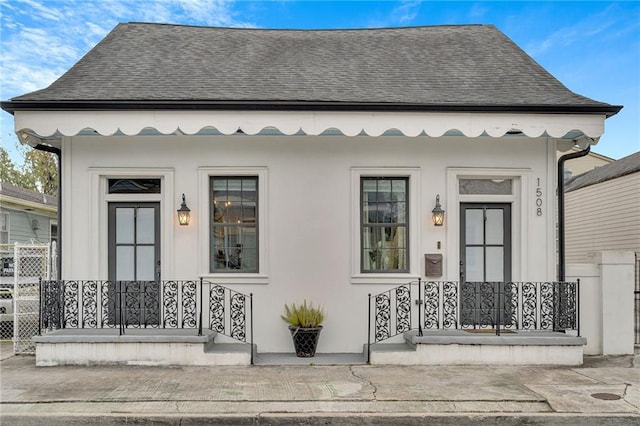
(491, 306)
(123, 305)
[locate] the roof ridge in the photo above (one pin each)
(307, 29)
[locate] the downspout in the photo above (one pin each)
(561, 249)
(58, 153)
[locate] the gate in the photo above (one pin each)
(31, 262)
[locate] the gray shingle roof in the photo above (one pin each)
(624, 166)
(14, 191)
(438, 65)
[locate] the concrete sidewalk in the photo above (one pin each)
(356, 394)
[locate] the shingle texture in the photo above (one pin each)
(622, 167)
(439, 65)
(14, 191)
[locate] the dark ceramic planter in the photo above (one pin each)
(305, 340)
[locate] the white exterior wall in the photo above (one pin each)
(309, 227)
(607, 310)
(604, 216)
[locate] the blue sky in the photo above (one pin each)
(592, 47)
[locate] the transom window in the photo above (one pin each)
(385, 224)
(234, 224)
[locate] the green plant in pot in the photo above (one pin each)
(305, 325)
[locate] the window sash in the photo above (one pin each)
(384, 218)
(233, 234)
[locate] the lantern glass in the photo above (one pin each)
(437, 214)
(184, 213)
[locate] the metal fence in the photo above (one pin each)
(490, 306)
(123, 305)
(23, 265)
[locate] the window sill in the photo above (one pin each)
(386, 279)
(236, 279)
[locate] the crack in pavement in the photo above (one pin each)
(365, 380)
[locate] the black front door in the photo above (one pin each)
(485, 262)
(134, 263)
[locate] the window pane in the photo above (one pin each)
(124, 225)
(475, 264)
(494, 226)
(495, 264)
(134, 186)
(474, 221)
(145, 263)
(124, 263)
(486, 186)
(145, 229)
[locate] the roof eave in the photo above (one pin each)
(97, 105)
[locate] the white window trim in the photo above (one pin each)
(260, 277)
(358, 277)
(519, 201)
(100, 198)
(8, 225)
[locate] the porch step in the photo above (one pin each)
(391, 353)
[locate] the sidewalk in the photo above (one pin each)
(357, 394)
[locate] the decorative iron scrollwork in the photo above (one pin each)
(431, 305)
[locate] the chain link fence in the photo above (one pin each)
(23, 265)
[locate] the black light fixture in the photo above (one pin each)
(184, 213)
(437, 214)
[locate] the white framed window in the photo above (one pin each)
(385, 223)
(4, 227)
(233, 238)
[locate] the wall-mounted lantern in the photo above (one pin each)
(184, 213)
(437, 214)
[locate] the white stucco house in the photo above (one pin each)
(311, 162)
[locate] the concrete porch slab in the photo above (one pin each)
(137, 347)
(459, 347)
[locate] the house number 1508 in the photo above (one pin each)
(539, 199)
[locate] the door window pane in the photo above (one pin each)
(125, 263)
(145, 263)
(475, 264)
(145, 226)
(474, 223)
(384, 234)
(124, 225)
(494, 226)
(495, 264)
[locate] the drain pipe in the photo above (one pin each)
(58, 153)
(561, 161)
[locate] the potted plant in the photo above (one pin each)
(305, 325)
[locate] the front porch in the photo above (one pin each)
(195, 322)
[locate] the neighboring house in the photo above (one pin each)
(311, 162)
(584, 164)
(25, 217)
(603, 209)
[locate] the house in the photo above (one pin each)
(29, 218)
(583, 164)
(25, 217)
(603, 209)
(311, 164)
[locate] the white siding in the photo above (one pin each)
(604, 216)
(309, 223)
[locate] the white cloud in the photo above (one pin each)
(406, 12)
